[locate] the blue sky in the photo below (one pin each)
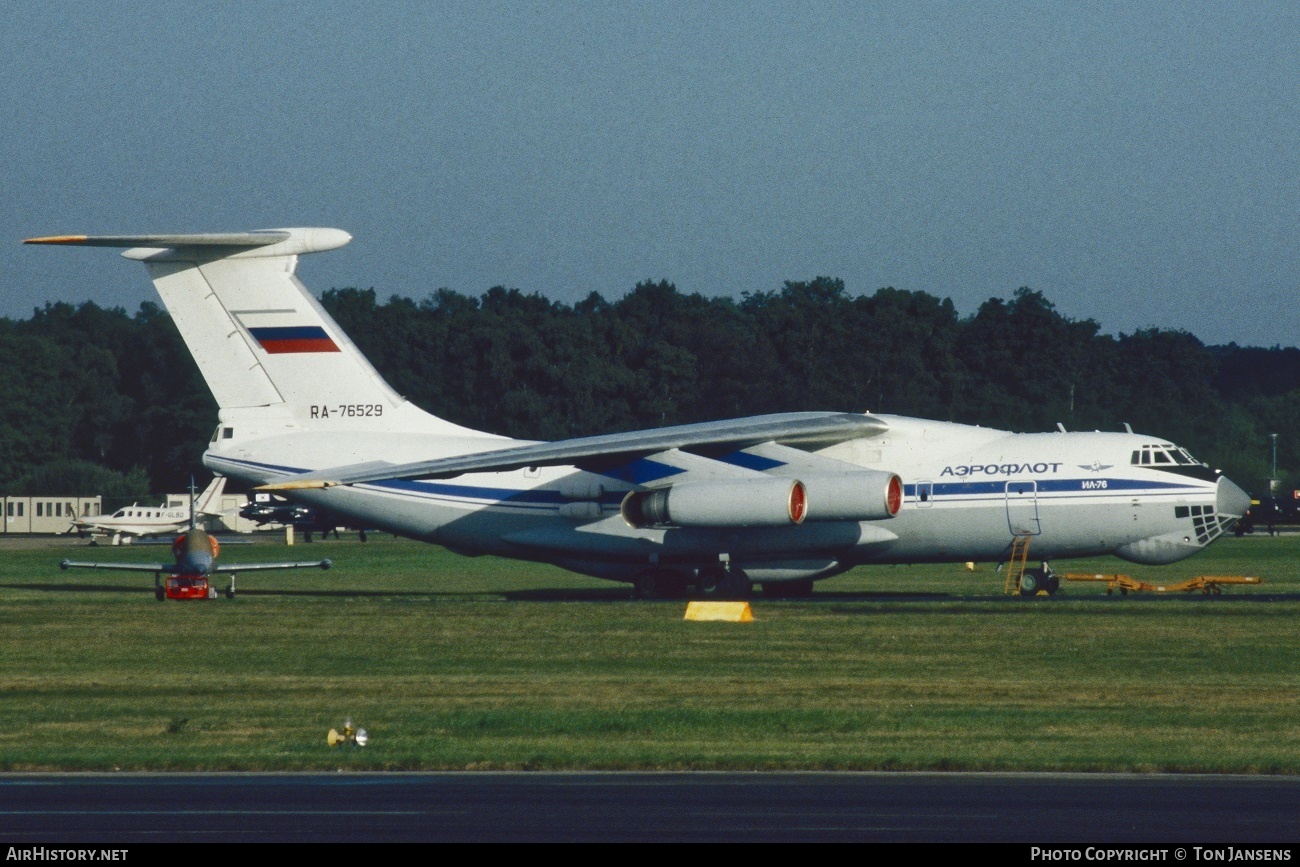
(1136, 162)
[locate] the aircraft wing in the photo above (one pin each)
(172, 568)
(126, 567)
(607, 451)
(263, 567)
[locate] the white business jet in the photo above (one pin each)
(778, 500)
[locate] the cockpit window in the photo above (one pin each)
(1163, 455)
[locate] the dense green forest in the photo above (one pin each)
(104, 401)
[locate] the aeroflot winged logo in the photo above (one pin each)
(304, 338)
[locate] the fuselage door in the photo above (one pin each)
(1022, 508)
(924, 494)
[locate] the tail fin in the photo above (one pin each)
(208, 502)
(266, 348)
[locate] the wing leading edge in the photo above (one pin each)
(608, 451)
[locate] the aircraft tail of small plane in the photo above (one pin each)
(209, 501)
(269, 352)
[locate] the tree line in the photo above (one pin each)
(99, 400)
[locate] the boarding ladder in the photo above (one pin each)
(1017, 562)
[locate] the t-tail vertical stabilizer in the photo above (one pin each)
(273, 358)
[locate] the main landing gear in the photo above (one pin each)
(710, 582)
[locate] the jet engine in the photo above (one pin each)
(769, 502)
(866, 495)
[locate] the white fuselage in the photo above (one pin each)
(968, 492)
(137, 520)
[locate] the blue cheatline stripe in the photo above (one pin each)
(642, 471)
(1052, 486)
(539, 497)
(751, 461)
(510, 496)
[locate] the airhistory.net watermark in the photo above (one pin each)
(40, 853)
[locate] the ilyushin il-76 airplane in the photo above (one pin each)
(705, 509)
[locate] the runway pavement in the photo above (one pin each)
(1046, 810)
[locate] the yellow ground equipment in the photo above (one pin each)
(1210, 585)
(1016, 563)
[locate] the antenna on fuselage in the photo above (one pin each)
(1128, 428)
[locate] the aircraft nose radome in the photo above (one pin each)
(1230, 500)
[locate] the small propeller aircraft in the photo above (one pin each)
(171, 516)
(194, 554)
(707, 509)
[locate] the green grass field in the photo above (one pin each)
(455, 663)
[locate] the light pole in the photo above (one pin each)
(1272, 481)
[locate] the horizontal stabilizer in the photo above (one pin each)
(209, 246)
(209, 239)
(125, 567)
(611, 450)
(227, 568)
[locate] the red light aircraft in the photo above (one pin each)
(194, 554)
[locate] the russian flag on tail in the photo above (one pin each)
(303, 338)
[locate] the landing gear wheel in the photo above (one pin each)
(159, 594)
(1029, 584)
(711, 581)
(647, 585)
(1052, 584)
(736, 585)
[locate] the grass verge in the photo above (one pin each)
(454, 663)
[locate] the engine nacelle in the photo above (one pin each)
(768, 502)
(864, 495)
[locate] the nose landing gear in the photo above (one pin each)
(1040, 579)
